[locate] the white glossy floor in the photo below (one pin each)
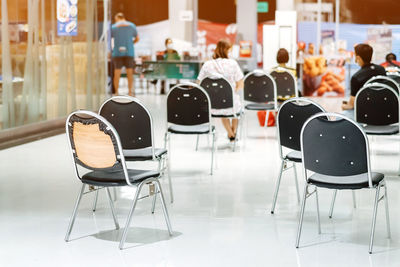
(219, 220)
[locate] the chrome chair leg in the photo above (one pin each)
(266, 119)
(212, 152)
(171, 191)
(354, 198)
(371, 242)
(128, 221)
(387, 213)
(72, 220)
(112, 208)
(197, 142)
(164, 207)
(96, 196)
(278, 182)
(318, 217)
(115, 193)
(332, 203)
(153, 205)
(296, 182)
(303, 205)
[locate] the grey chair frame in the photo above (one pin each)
(233, 116)
(285, 161)
(381, 77)
(275, 101)
(377, 188)
(280, 69)
(212, 131)
(163, 160)
(138, 186)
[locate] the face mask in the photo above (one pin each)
(170, 46)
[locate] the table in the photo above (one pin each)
(171, 69)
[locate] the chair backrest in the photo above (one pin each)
(334, 147)
(94, 142)
(219, 90)
(292, 115)
(394, 76)
(188, 104)
(259, 87)
(385, 80)
(286, 85)
(131, 119)
(376, 104)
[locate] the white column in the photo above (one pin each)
(285, 5)
(318, 27)
(337, 21)
(246, 20)
(182, 30)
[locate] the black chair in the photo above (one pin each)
(221, 95)
(395, 76)
(96, 146)
(337, 153)
(292, 114)
(376, 108)
(385, 80)
(188, 113)
(134, 124)
(286, 85)
(260, 93)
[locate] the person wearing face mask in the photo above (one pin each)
(363, 54)
(227, 67)
(170, 53)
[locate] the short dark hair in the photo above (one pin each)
(391, 57)
(364, 51)
(282, 56)
(120, 15)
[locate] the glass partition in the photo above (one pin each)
(44, 75)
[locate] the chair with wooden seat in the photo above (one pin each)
(95, 145)
(134, 124)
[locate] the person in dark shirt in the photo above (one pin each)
(363, 53)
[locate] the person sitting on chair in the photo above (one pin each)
(391, 61)
(363, 54)
(230, 70)
(282, 57)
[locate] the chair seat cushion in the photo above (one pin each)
(260, 106)
(345, 182)
(381, 130)
(143, 154)
(295, 156)
(226, 116)
(192, 129)
(116, 178)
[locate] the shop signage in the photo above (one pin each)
(67, 17)
(262, 7)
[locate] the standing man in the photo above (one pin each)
(124, 35)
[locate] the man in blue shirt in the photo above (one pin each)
(124, 35)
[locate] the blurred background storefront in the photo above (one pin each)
(47, 72)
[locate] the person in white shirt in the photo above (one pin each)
(223, 65)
